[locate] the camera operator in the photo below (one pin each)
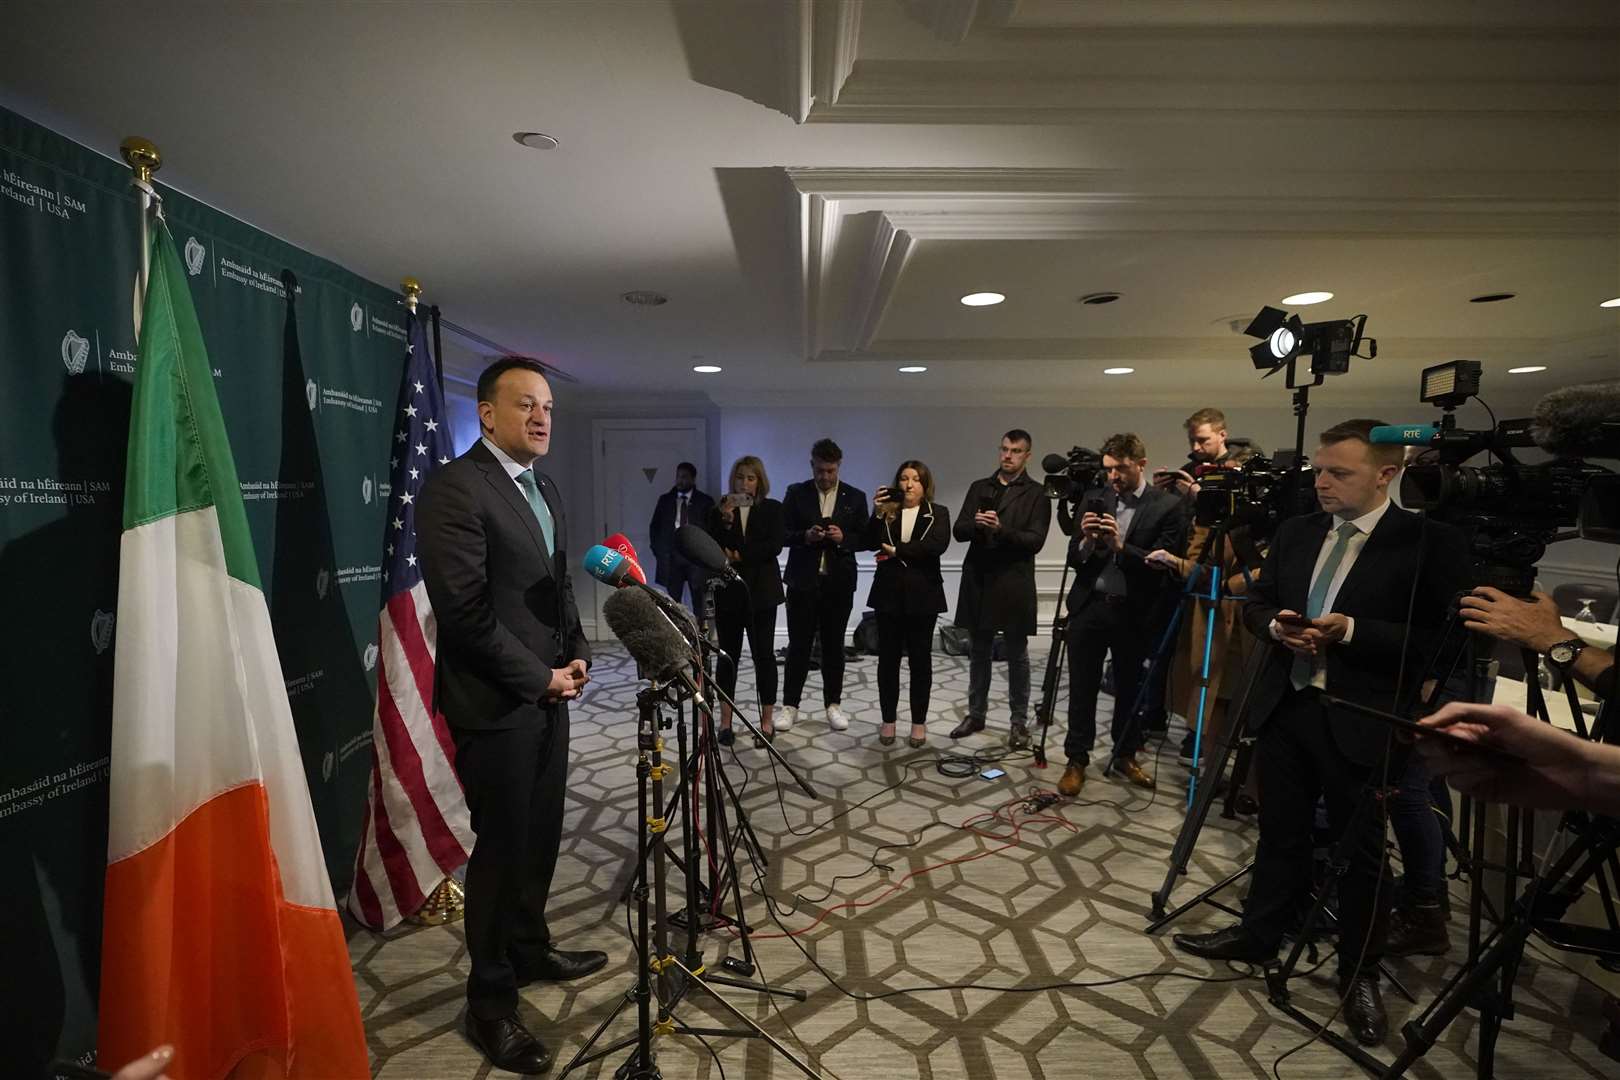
(1332, 605)
(1206, 441)
(1535, 624)
(1004, 521)
(1116, 603)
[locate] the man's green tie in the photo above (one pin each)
(1317, 599)
(537, 503)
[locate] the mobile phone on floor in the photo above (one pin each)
(993, 774)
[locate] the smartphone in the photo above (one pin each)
(1299, 622)
(826, 522)
(1096, 505)
(987, 503)
(993, 774)
(739, 499)
(1411, 728)
(886, 495)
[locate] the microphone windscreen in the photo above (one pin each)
(605, 565)
(648, 635)
(699, 547)
(1054, 463)
(621, 543)
(1579, 420)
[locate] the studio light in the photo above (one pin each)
(1329, 344)
(1279, 334)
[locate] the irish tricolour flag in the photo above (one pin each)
(221, 935)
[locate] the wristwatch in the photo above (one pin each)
(1563, 654)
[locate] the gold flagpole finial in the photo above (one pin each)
(413, 292)
(142, 156)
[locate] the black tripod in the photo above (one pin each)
(1052, 680)
(654, 961)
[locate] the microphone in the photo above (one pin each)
(1577, 421)
(652, 640)
(619, 570)
(1404, 434)
(621, 543)
(697, 546)
(1054, 463)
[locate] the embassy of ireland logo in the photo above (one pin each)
(357, 318)
(195, 253)
(75, 351)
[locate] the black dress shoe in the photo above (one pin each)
(508, 1045)
(967, 727)
(1364, 1011)
(726, 736)
(1018, 737)
(1233, 943)
(554, 965)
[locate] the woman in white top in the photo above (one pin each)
(909, 531)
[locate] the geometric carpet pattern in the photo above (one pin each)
(1015, 904)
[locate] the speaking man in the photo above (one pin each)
(1117, 603)
(511, 656)
(683, 504)
(1332, 603)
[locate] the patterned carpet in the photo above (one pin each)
(1063, 899)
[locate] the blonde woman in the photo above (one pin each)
(749, 526)
(909, 531)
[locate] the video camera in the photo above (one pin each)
(1069, 475)
(1258, 494)
(1510, 509)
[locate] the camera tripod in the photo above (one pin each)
(656, 966)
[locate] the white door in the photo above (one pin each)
(635, 463)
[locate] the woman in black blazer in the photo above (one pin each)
(909, 531)
(750, 528)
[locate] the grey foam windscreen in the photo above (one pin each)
(649, 636)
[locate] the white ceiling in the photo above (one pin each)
(813, 184)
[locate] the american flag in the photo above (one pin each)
(416, 830)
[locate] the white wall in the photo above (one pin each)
(959, 444)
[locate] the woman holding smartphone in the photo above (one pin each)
(750, 528)
(909, 531)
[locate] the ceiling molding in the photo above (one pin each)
(835, 37)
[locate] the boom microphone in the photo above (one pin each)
(650, 637)
(1580, 421)
(697, 546)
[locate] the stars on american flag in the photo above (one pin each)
(421, 433)
(410, 410)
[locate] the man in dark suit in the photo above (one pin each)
(511, 655)
(826, 526)
(1332, 602)
(1117, 603)
(683, 504)
(1004, 520)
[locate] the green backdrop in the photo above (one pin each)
(307, 377)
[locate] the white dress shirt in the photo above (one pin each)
(829, 503)
(908, 522)
(513, 469)
(1364, 525)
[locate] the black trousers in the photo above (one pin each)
(1101, 626)
(1298, 763)
(813, 614)
(686, 577)
(514, 780)
(760, 627)
(912, 635)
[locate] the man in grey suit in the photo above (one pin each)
(511, 655)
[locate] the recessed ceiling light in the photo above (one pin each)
(1118, 370)
(534, 140)
(914, 369)
(1300, 299)
(1491, 298)
(1529, 370)
(982, 299)
(1611, 303)
(1099, 298)
(707, 369)
(644, 298)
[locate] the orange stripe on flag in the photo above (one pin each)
(201, 950)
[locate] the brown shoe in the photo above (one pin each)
(1135, 773)
(1074, 778)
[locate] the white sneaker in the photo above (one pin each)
(786, 717)
(837, 719)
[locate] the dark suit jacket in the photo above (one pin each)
(998, 573)
(801, 508)
(505, 607)
(909, 581)
(1375, 594)
(661, 531)
(759, 547)
(1160, 521)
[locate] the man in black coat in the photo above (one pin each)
(511, 654)
(1004, 522)
(1332, 604)
(826, 526)
(1118, 603)
(683, 504)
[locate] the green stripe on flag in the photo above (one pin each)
(179, 456)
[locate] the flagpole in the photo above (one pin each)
(143, 157)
